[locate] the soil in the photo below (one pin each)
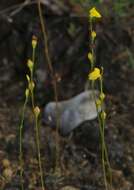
(79, 161)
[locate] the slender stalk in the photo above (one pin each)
(103, 137)
(36, 112)
(20, 142)
(37, 133)
(102, 141)
(92, 44)
(101, 120)
(38, 151)
(45, 38)
(46, 51)
(32, 99)
(31, 77)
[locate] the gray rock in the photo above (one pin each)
(72, 112)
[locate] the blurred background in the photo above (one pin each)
(67, 27)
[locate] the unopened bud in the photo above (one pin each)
(34, 42)
(98, 102)
(28, 78)
(93, 35)
(27, 93)
(31, 86)
(90, 57)
(102, 96)
(30, 64)
(36, 111)
(103, 115)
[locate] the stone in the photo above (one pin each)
(71, 113)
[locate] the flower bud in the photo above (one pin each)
(27, 93)
(28, 78)
(90, 57)
(31, 86)
(102, 96)
(34, 42)
(30, 64)
(103, 115)
(93, 35)
(98, 103)
(36, 111)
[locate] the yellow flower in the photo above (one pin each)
(95, 74)
(93, 34)
(34, 42)
(93, 13)
(90, 57)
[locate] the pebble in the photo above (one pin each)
(72, 112)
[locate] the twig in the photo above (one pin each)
(46, 51)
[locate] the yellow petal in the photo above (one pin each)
(95, 74)
(93, 13)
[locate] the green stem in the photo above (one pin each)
(92, 44)
(108, 167)
(20, 142)
(103, 133)
(102, 142)
(36, 122)
(32, 99)
(105, 159)
(33, 59)
(38, 151)
(104, 154)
